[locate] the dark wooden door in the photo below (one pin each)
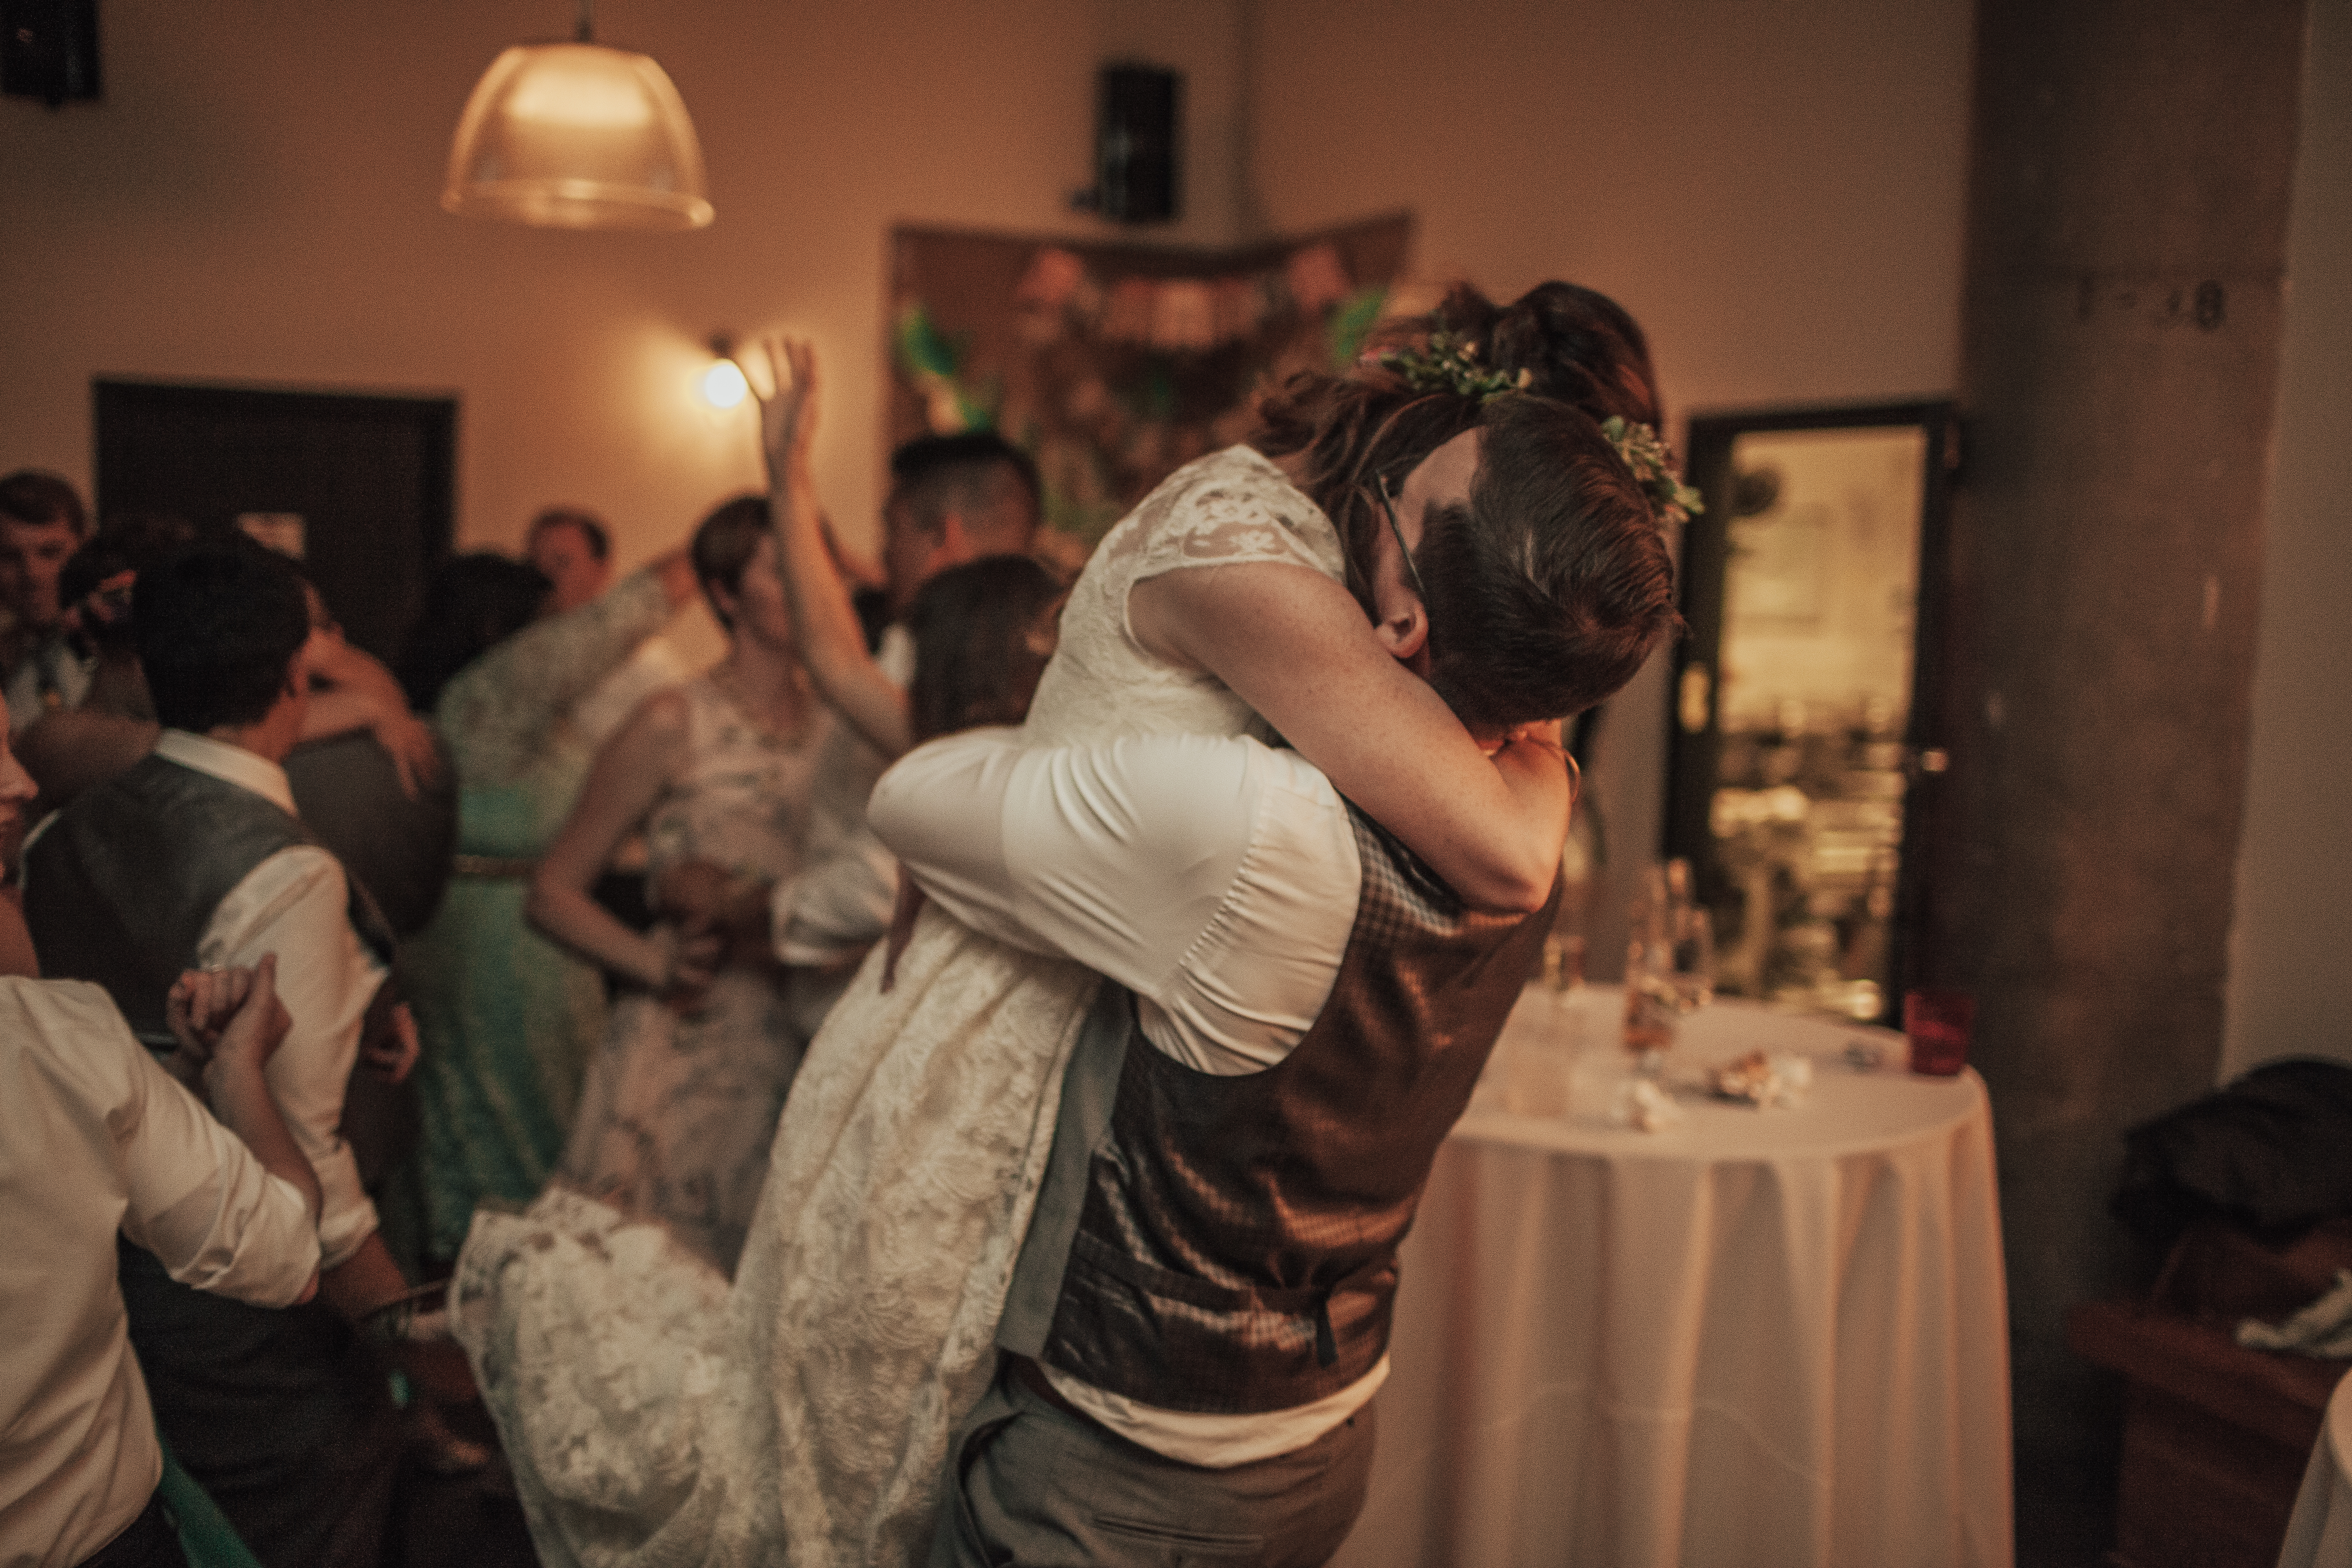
(370, 478)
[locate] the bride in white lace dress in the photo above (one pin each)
(652, 1417)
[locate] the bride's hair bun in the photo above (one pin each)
(1575, 344)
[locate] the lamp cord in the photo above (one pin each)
(585, 33)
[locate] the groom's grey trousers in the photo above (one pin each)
(1030, 1483)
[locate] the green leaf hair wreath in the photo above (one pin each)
(1450, 363)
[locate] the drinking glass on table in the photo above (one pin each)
(1669, 962)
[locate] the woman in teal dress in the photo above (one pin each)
(507, 1018)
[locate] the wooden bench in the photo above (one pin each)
(2215, 1436)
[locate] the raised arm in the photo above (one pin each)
(1295, 646)
(825, 632)
(626, 781)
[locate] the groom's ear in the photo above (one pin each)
(1403, 630)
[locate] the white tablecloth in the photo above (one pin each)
(1765, 1337)
(2319, 1535)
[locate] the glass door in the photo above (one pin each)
(1802, 754)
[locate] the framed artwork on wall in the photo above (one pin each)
(1114, 365)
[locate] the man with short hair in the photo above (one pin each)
(573, 549)
(955, 499)
(42, 523)
(195, 860)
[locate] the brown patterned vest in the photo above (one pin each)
(1228, 1243)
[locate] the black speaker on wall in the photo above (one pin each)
(49, 49)
(1137, 115)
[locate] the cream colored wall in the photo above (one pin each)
(256, 201)
(1775, 192)
(2293, 910)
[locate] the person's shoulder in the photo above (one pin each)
(1237, 505)
(73, 1023)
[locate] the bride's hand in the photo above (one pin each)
(788, 414)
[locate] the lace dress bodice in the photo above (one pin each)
(1229, 508)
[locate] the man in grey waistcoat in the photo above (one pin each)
(1294, 1013)
(196, 858)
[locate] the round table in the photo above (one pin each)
(2319, 1535)
(1758, 1337)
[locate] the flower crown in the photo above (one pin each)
(1450, 363)
(1653, 462)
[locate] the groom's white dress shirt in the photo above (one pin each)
(1215, 878)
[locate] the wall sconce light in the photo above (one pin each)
(724, 384)
(577, 135)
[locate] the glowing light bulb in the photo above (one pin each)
(723, 385)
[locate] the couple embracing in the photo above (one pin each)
(1078, 1243)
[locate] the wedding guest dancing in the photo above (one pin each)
(1252, 593)
(195, 858)
(97, 1138)
(509, 1018)
(681, 1098)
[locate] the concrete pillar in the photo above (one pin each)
(2129, 205)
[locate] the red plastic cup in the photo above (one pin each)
(1937, 1024)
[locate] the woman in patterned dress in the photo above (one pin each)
(681, 1099)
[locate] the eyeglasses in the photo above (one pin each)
(1381, 493)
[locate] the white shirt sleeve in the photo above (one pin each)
(1214, 877)
(238, 1231)
(294, 904)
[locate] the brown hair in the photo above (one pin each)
(723, 547)
(973, 664)
(37, 499)
(1549, 590)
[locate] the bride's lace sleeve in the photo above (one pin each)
(1229, 508)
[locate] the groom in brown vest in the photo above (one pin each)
(195, 858)
(1294, 1013)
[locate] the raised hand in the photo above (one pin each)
(415, 756)
(788, 414)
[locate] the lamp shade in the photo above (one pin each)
(577, 136)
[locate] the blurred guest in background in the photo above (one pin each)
(682, 1097)
(508, 1018)
(572, 550)
(42, 522)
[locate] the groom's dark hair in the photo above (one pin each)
(1548, 591)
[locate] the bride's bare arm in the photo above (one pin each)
(826, 630)
(1294, 645)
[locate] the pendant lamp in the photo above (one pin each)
(577, 135)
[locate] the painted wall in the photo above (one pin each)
(2294, 904)
(1776, 193)
(255, 200)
